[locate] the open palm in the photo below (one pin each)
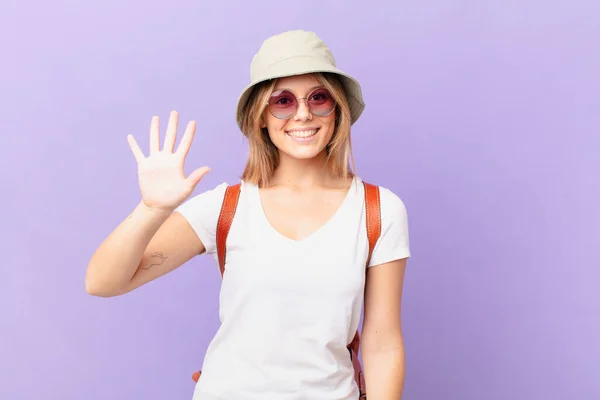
(161, 175)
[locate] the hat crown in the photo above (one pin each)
(284, 46)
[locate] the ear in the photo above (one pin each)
(263, 123)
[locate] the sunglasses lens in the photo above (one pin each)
(320, 102)
(282, 104)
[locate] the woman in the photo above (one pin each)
(298, 265)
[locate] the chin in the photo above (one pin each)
(302, 155)
(301, 152)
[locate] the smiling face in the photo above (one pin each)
(305, 131)
(296, 128)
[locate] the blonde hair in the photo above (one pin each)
(264, 155)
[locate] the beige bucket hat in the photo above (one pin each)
(297, 52)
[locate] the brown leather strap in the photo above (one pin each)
(373, 221)
(373, 217)
(230, 201)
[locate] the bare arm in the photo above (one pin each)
(382, 341)
(146, 245)
(153, 240)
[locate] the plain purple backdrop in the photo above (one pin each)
(484, 116)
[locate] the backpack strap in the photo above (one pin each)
(228, 208)
(373, 217)
(373, 222)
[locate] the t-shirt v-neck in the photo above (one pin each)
(262, 218)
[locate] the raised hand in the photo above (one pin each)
(162, 180)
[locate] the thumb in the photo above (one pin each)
(197, 176)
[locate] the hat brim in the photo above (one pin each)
(301, 66)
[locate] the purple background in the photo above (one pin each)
(484, 116)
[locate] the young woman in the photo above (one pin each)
(298, 266)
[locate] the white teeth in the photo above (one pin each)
(302, 134)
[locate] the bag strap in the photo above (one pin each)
(373, 222)
(373, 217)
(228, 208)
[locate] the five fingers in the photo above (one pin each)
(170, 137)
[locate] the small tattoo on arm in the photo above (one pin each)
(157, 259)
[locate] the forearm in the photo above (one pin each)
(118, 257)
(384, 370)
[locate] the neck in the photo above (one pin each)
(303, 173)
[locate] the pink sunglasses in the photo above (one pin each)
(283, 104)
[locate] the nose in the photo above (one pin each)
(303, 112)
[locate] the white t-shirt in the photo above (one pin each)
(288, 309)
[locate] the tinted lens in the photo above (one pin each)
(320, 102)
(282, 104)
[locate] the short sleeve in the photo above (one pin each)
(202, 213)
(393, 243)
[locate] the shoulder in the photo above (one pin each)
(207, 198)
(209, 201)
(393, 242)
(393, 207)
(202, 213)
